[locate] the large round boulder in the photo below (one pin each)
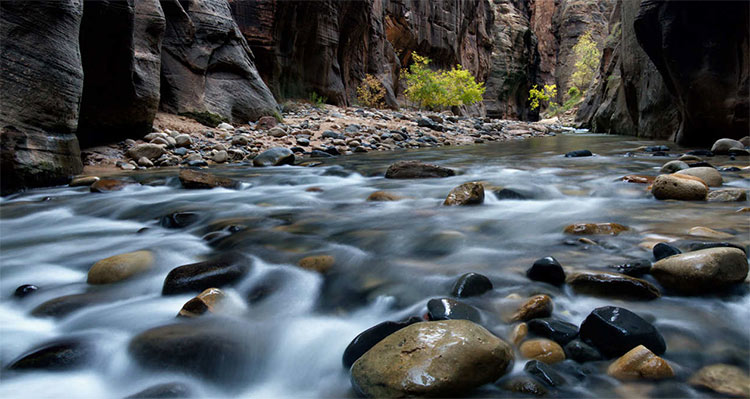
(439, 358)
(723, 146)
(702, 271)
(119, 267)
(615, 331)
(678, 188)
(471, 193)
(711, 176)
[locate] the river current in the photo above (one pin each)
(390, 259)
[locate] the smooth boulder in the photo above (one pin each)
(723, 378)
(674, 187)
(614, 331)
(194, 179)
(544, 350)
(368, 338)
(274, 157)
(218, 272)
(723, 146)
(416, 170)
(711, 176)
(471, 284)
(548, 270)
(727, 195)
(702, 271)
(120, 267)
(612, 285)
(471, 193)
(673, 166)
(640, 363)
(443, 358)
(64, 354)
(449, 309)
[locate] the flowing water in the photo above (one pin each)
(391, 258)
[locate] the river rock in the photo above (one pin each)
(537, 306)
(207, 301)
(120, 267)
(639, 179)
(67, 304)
(105, 185)
(711, 176)
(544, 350)
(221, 271)
(578, 154)
(723, 378)
(524, 385)
(640, 363)
(662, 250)
(581, 352)
(215, 351)
(266, 122)
(595, 228)
(727, 195)
(83, 181)
(548, 270)
(274, 157)
(613, 285)
(220, 156)
(317, 263)
(614, 331)
(416, 170)
(368, 338)
(443, 358)
(634, 268)
(25, 290)
(557, 330)
(673, 166)
(383, 196)
(705, 232)
(695, 246)
(450, 309)
(723, 146)
(178, 220)
(64, 354)
(147, 150)
(466, 194)
(471, 284)
(673, 187)
(194, 179)
(509, 194)
(544, 373)
(168, 390)
(519, 333)
(702, 271)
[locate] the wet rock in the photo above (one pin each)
(274, 157)
(544, 373)
(416, 170)
(548, 270)
(508, 194)
(524, 385)
(145, 162)
(673, 187)
(519, 333)
(368, 338)
(702, 271)
(215, 351)
(710, 176)
(105, 185)
(183, 140)
(578, 153)
(727, 195)
(614, 331)
(705, 232)
(723, 378)
(640, 363)
(65, 305)
(383, 196)
(169, 390)
(700, 153)
(83, 181)
(612, 285)
(662, 250)
(450, 309)
(536, 307)
(581, 352)
(194, 179)
(695, 246)
(471, 284)
(544, 350)
(429, 123)
(723, 146)
(276, 132)
(218, 272)
(120, 267)
(65, 354)
(595, 228)
(207, 301)
(147, 150)
(178, 220)
(636, 268)
(466, 194)
(317, 263)
(673, 166)
(319, 154)
(444, 358)
(639, 179)
(557, 330)
(220, 156)
(25, 290)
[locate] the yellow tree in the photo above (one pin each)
(587, 60)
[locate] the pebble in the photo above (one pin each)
(209, 300)
(25, 290)
(543, 350)
(640, 363)
(178, 220)
(83, 181)
(727, 195)
(225, 126)
(105, 185)
(519, 333)
(383, 196)
(508, 194)
(536, 307)
(702, 271)
(614, 331)
(120, 267)
(150, 151)
(544, 373)
(145, 162)
(220, 156)
(673, 166)
(705, 232)
(274, 157)
(183, 140)
(471, 193)
(548, 270)
(193, 179)
(636, 268)
(524, 385)
(471, 284)
(581, 352)
(557, 330)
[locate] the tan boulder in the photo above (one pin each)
(711, 176)
(640, 363)
(536, 307)
(678, 187)
(119, 267)
(209, 300)
(544, 350)
(318, 263)
(471, 193)
(723, 378)
(383, 196)
(701, 271)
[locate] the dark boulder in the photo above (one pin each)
(581, 352)
(274, 157)
(416, 170)
(450, 309)
(544, 373)
(578, 154)
(635, 268)
(197, 180)
(548, 270)
(174, 390)
(223, 270)
(178, 220)
(557, 330)
(65, 354)
(471, 284)
(662, 250)
(614, 331)
(612, 285)
(368, 338)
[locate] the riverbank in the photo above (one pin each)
(307, 130)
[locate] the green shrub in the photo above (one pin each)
(440, 89)
(205, 118)
(317, 100)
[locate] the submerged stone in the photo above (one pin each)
(416, 170)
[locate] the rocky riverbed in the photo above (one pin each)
(569, 266)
